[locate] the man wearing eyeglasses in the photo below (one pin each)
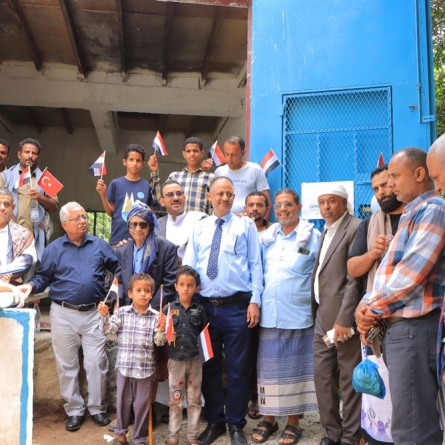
(73, 266)
(177, 225)
(335, 295)
(225, 250)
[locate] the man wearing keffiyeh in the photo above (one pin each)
(17, 248)
(147, 253)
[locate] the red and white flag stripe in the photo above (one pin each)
(205, 345)
(269, 163)
(158, 145)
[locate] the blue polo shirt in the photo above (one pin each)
(74, 273)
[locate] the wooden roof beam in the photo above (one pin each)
(121, 39)
(231, 3)
(70, 28)
(214, 35)
(15, 7)
(66, 120)
(35, 120)
(167, 39)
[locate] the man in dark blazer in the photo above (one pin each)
(335, 296)
(159, 260)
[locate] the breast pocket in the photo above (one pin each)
(235, 245)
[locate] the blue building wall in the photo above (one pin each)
(318, 46)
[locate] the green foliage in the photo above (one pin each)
(99, 224)
(438, 15)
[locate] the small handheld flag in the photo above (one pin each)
(158, 145)
(25, 178)
(99, 168)
(269, 163)
(380, 161)
(114, 291)
(169, 326)
(49, 184)
(216, 154)
(205, 345)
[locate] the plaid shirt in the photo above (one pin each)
(195, 185)
(410, 281)
(135, 355)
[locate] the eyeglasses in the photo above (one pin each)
(286, 205)
(78, 218)
(178, 193)
(133, 225)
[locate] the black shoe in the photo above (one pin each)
(237, 436)
(101, 419)
(73, 423)
(212, 432)
(327, 441)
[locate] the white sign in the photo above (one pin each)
(310, 191)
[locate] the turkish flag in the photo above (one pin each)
(49, 184)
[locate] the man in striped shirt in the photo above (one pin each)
(407, 296)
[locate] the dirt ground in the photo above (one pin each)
(50, 430)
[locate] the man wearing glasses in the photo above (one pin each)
(74, 266)
(177, 225)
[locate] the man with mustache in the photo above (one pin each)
(367, 251)
(256, 208)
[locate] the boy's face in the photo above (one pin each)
(192, 155)
(134, 162)
(140, 294)
(186, 288)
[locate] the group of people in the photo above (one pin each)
(287, 307)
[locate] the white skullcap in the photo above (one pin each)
(338, 190)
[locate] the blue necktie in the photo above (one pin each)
(212, 267)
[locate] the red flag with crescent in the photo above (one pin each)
(49, 184)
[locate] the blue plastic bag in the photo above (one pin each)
(366, 379)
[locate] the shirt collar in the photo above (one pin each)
(294, 230)
(337, 223)
(413, 204)
(226, 218)
(86, 240)
(179, 218)
(196, 171)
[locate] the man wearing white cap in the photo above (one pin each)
(335, 296)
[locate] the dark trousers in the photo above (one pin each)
(409, 351)
(228, 329)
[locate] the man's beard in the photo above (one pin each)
(390, 205)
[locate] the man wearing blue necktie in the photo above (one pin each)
(225, 251)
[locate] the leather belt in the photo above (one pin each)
(219, 301)
(80, 307)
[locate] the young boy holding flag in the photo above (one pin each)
(188, 319)
(135, 363)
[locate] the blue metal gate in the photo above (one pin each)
(337, 136)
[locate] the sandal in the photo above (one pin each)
(266, 433)
(295, 435)
(253, 411)
(194, 442)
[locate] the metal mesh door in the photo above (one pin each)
(337, 136)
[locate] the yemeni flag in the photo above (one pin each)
(113, 293)
(99, 168)
(158, 145)
(205, 345)
(380, 161)
(269, 163)
(49, 184)
(216, 155)
(169, 329)
(25, 178)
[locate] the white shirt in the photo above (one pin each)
(330, 233)
(4, 239)
(178, 232)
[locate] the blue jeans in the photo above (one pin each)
(228, 328)
(409, 351)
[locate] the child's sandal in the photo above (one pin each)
(194, 442)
